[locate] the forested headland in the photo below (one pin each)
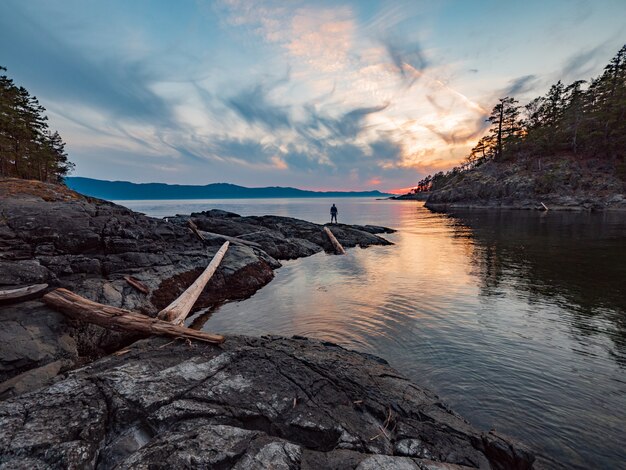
(29, 149)
(572, 140)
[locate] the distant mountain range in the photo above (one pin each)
(123, 190)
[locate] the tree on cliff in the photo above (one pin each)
(606, 109)
(28, 148)
(571, 119)
(505, 126)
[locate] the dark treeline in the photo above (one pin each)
(28, 148)
(586, 119)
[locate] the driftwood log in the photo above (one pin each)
(194, 229)
(137, 284)
(80, 308)
(201, 234)
(169, 319)
(177, 311)
(338, 248)
(235, 240)
(21, 292)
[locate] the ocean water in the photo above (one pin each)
(516, 319)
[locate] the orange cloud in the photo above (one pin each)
(399, 190)
(321, 39)
(279, 163)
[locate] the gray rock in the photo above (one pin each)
(33, 379)
(32, 336)
(287, 238)
(386, 462)
(250, 403)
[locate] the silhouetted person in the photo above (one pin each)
(333, 214)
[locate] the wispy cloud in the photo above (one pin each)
(581, 64)
(520, 85)
(408, 59)
(253, 106)
(268, 91)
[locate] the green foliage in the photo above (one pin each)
(582, 121)
(28, 148)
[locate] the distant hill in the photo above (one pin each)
(123, 190)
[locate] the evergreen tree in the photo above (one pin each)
(606, 108)
(573, 113)
(505, 129)
(28, 149)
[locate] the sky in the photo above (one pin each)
(324, 95)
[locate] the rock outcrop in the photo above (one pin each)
(250, 403)
(50, 234)
(285, 237)
(566, 183)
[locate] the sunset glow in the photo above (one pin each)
(350, 95)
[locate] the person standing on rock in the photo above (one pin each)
(333, 213)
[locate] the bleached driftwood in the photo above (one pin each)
(169, 319)
(177, 311)
(80, 308)
(338, 248)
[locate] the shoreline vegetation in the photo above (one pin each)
(98, 395)
(565, 150)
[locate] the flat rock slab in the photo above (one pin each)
(249, 403)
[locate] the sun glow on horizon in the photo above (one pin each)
(354, 94)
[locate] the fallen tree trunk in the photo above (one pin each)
(177, 311)
(21, 292)
(80, 308)
(338, 248)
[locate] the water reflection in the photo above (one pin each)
(576, 261)
(517, 319)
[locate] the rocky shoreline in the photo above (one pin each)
(79, 396)
(557, 183)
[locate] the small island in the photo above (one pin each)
(565, 150)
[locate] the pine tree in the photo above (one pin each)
(28, 149)
(505, 129)
(573, 113)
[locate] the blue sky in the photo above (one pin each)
(321, 95)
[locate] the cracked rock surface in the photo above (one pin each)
(250, 403)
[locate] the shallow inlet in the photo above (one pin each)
(516, 319)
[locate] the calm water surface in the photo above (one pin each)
(516, 319)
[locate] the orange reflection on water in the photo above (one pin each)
(368, 293)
